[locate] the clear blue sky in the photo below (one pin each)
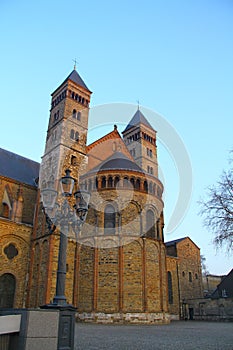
(174, 56)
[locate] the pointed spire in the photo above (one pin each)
(137, 119)
(75, 77)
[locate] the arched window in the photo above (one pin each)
(116, 181)
(73, 160)
(170, 291)
(109, 220)
(110, 181)
(7, 290)
(137, 186)
(150, 224)
(5, 211)
(72, 134)
(73, 95)
(145, 186)
(125, 181)
(132, 182)
(190, 277)
(74, 113)
(103, 182)
(77, 136)
(79, 115)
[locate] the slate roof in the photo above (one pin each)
(117, 161)
(138, 118)
(168, 244)
(175, 241)
(75, 77)
(18, 168)
(225, 287)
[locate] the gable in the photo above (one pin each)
(186, 241)
(104, 148)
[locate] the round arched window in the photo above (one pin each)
(150, 223)
(109, 220)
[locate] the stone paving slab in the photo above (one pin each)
(179, 335)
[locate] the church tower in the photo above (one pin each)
(67, 130)
(65, 148)
(140, 138)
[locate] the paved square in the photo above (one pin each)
(179, 335)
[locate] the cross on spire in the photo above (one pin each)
(75, 61)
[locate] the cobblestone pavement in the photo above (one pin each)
(179, 335)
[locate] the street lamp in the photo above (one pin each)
(65, 217)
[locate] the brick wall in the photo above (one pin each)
(190, 275)
(18, 235)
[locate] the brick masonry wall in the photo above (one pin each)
(86, 279)
(18, 235)
(135, 285)
(132, 277)
(190, 275)
(173, 307)
(108, 281)
(153, 284)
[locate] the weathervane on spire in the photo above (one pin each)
(75, 61)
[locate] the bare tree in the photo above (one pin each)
(204, 266)
(217, 211)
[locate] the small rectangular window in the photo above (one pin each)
(190, 277)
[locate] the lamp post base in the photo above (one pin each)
(66, 324)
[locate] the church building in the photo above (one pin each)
(119, 267)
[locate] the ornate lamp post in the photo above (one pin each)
(64, 217)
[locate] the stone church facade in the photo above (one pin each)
(119, 269)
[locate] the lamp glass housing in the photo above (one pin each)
(48, 198)
(82, 199)
(67, 183)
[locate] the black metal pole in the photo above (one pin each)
(60, 299)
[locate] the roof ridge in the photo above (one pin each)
(103, 138)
